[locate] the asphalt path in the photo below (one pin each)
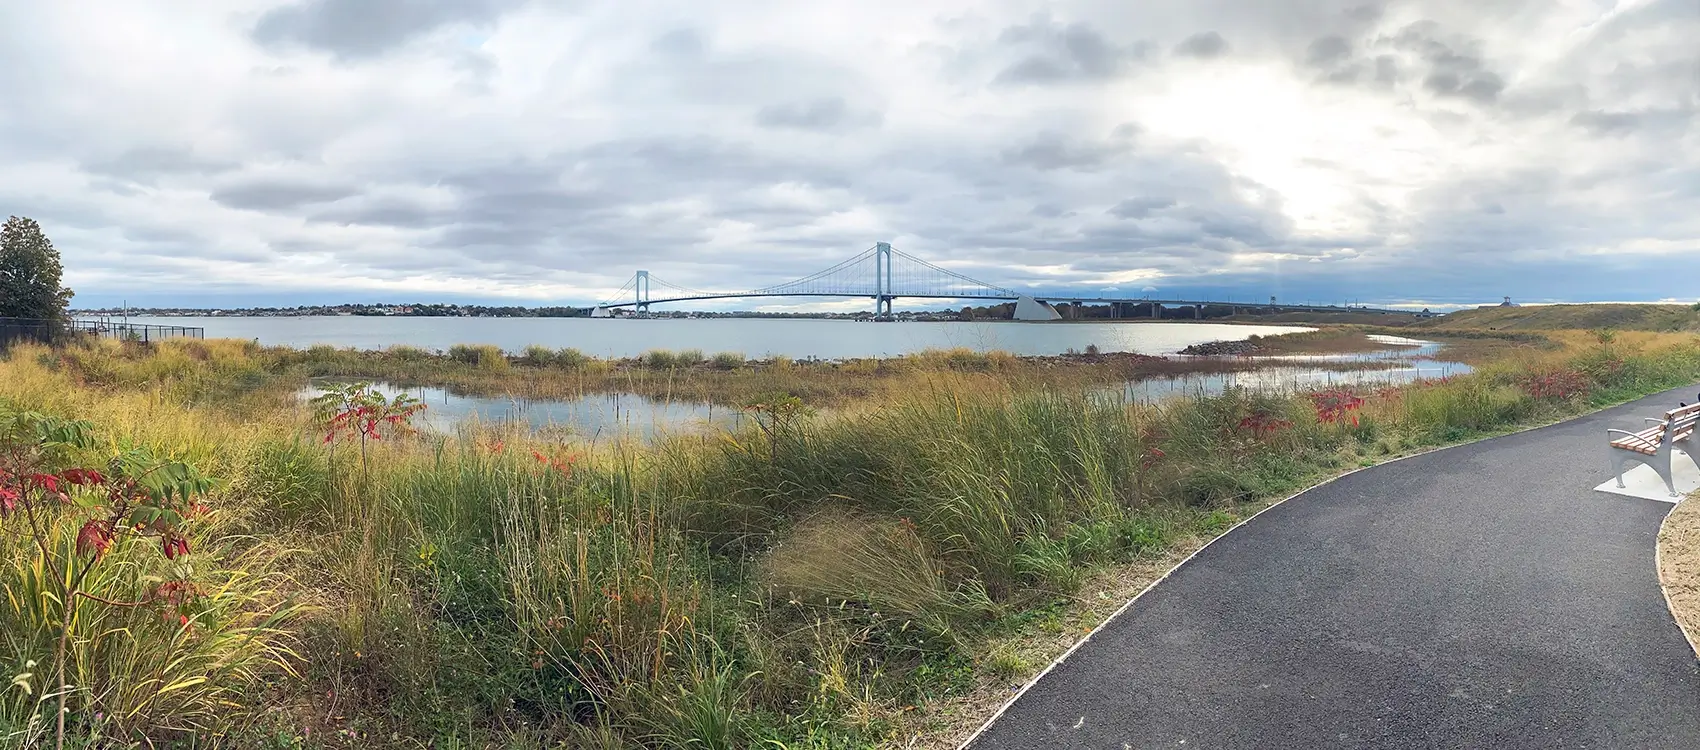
(1481, 596)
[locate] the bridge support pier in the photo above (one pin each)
(1156, 310)
(882, 281)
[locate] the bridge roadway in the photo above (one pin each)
(1053, 301)
(1481, 596)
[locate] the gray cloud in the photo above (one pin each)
(1451, 72)
(1050, 150)
(268, 195)
(1054, 53)
(1328, 50)
(824, 115)
(1203, 45)
(356, 29)
(1139, 208)
(145, 163)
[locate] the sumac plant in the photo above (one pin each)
(132, 498)
(358, 411)
(1555, 385)
(1331, 405)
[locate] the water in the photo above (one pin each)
(755, 337)
(1413, 360)
(593, 416)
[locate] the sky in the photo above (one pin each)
(255, 152)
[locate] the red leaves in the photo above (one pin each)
(83, 477)
(94, 537)
(562, 465)
(1265, 424)
(176, 593)
(1557, 385)
(48, 482)
(359, 411)
(173, 546)
(1332, 404)
(1151, 456)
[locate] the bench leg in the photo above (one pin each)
(1664, 470)
(1617, 458)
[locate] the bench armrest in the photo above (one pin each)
(1637, 438)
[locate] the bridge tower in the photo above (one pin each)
(640, 291)
(882, 281)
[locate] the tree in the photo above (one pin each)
(29, 273)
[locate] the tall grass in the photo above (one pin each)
(800, 581)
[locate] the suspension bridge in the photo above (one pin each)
(884, 273)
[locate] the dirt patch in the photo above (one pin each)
(1679, 565)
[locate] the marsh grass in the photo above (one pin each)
(800, 582)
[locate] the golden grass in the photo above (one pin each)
(1656, 318)
(816, 575)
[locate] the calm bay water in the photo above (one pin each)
(592, 416)
(1408, 360)
(754, 337)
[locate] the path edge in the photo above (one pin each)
(1657, 569)
(1664, 588)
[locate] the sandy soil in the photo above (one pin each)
(1679, 564)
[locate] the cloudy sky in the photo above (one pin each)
(218, 152)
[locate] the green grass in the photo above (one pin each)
(799, 583)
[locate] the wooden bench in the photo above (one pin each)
(1654, 445)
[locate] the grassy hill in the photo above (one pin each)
(1589, 316)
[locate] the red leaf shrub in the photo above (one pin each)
(1555, 385)
(1335, 403)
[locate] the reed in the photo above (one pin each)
(801, 581)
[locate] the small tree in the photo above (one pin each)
(29, 273)
(358, 410)
(135, 498)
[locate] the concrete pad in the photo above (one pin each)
(1642, 482)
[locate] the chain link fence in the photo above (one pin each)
(59, 332)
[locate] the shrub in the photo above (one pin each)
(690, 358)
(484, 356)
(464, 354)
(571, 359)
(728, 361)
(405, 353)
(538, 356)
(1555, 385)
(660, 359)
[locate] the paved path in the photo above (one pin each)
(1477, 597)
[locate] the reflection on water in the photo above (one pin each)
(1412, 361)
(599, 415)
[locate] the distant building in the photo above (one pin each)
(1507, 302)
